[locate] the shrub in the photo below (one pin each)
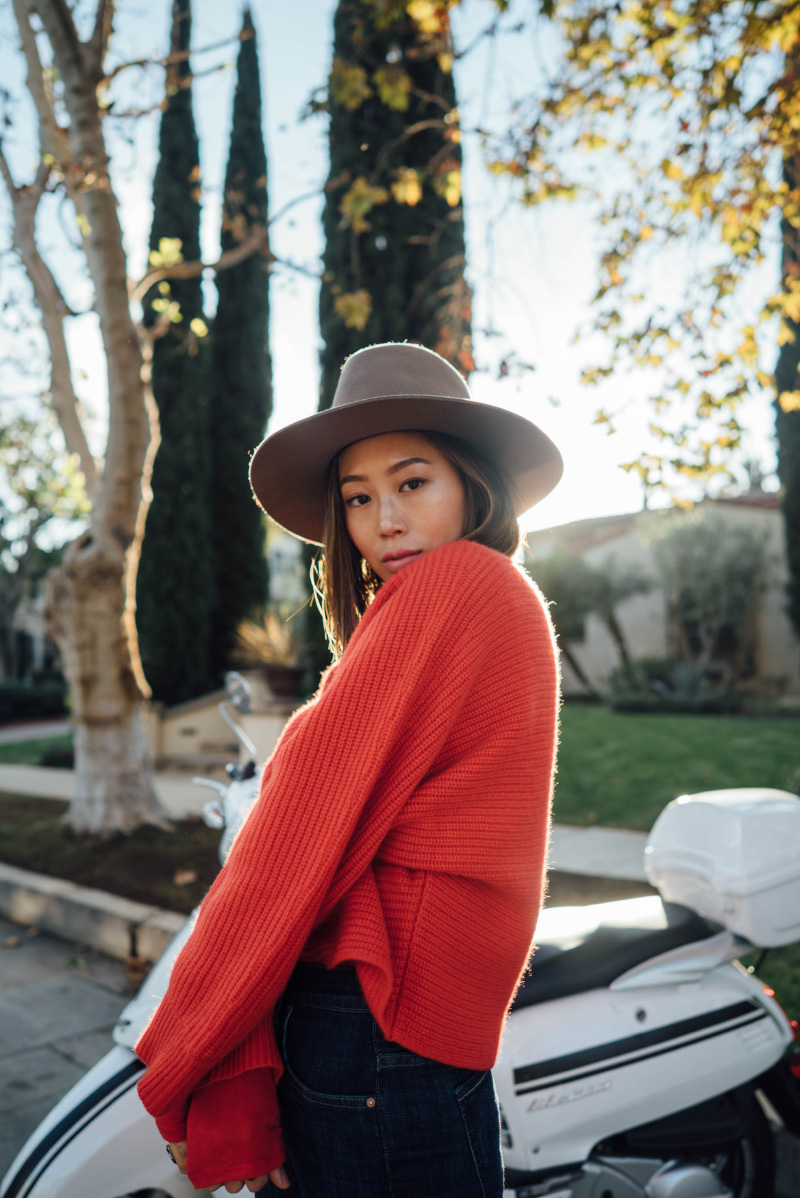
(658, 684)
(59, 757)
(19, 701)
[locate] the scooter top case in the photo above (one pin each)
(630, 1011)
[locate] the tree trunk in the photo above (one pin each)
(89, 597)
(787, 423)
(85, 610)
(615, 629)
(576, 667)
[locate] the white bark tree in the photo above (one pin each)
(90, 607)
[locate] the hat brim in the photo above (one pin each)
(289, 469)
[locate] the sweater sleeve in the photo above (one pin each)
(366, 733)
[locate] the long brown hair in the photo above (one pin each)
(344, 585)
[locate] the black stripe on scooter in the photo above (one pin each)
(618, 1048)
(88, 1106)
(647, 1056)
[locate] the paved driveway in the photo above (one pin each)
(58, 1004)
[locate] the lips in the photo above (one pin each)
(393, 562)
(400, 554)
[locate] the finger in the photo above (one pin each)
(280, 1178)
(257, 1183)
(233, 1187)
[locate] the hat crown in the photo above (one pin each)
(397, 369)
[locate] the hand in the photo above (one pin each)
(179, 1152)
(279, 1177)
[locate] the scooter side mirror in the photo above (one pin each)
(239, 691)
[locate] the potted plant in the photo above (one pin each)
(273, 643)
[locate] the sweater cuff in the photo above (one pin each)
(172, 1124)
(234, 1131)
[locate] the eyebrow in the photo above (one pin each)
(398, 466)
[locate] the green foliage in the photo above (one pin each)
(575, 588)
(175, 583)
(241, 396)
(714, 573)
(19, 701)
(39, 483)
(696, 108)
(31, 752)
(566, 581)
(666, 684)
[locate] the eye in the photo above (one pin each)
(356, 500)
(413, 484)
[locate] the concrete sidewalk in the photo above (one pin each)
(58, 1005)
(593, 852)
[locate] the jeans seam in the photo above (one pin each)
(471, 1140)
(381, 1128)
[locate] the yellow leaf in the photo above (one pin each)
(354, 307)
(427, 15)
(348, 85)
(646, 232)
(445, 62)
(169, 252)
(394, 86)
(360, 199)
(671, 169)
(785, 334)
(408, 188)
(789, 401)
(448, 185)
(198, 327)
(83, 224)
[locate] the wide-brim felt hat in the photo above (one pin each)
(394, 387)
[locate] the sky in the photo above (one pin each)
(533, 271)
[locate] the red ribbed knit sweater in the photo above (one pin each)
(402, 826)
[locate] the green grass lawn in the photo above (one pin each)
(29, 752)
(621, 769)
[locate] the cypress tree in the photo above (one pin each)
(787, 422)
(175, 580)
(394, 226)
(242, 378)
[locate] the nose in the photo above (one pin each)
(390, 517)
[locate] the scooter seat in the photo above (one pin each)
(600, 943)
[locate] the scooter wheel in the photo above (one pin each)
(748, 1169)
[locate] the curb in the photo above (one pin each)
(116, 926)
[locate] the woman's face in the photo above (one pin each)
(401, 497)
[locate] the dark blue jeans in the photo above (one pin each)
(364, 1117)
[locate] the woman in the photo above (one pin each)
(332, 1022)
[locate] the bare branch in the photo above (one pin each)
(190, 270)
(57, 20)
(176, 57)
(103, 28)
(309, 195)
(296, 266)
(53, 138)
(54, 310)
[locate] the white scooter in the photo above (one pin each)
(639, 1055)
